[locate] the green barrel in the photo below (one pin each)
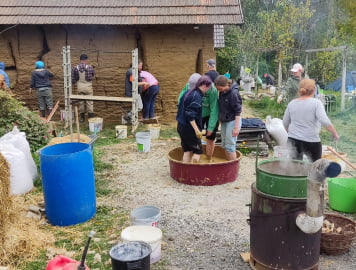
(283, 178)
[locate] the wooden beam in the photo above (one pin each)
(101, 98)
(326, 49)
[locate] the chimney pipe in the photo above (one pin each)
(311, 221)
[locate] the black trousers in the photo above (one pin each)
(313, 150)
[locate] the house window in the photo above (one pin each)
(219, 41)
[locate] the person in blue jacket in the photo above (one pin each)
(189, 117)
(2, 71)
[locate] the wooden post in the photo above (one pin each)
(306, 64)
(279, 74)
(77, 122)
(343, 80)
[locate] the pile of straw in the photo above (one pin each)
(21, 238)
(5, 199)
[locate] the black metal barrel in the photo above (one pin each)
(276, 242)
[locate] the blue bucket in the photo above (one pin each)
(68, 183)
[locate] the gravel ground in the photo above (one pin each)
(204, 227)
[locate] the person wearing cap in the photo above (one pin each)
(41, 82)
(83, 75)
(212, 73)
(189, 117)
(230, 106)
(303, 119)
(290, 90)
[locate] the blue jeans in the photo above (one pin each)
(149, 100)
(228, 142)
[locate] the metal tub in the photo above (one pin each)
(204, 174)
(283, 178)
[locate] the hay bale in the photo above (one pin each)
(5, 198)
(21, 238)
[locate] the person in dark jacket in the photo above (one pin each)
(230, 105)
(212, 73)
(41, 82)
(269, 79)
(189, 117)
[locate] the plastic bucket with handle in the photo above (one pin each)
(143, 140)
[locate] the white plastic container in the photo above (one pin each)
(121, 132)
(281, 152)
(148, 234)
(95, 124)
(143, 140)
(146, 215)
(154, 130)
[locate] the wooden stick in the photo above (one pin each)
(341, 157)
(54, 109)
(77, 122)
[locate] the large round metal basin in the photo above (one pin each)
(204, 174)
(283, 178)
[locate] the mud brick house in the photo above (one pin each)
(174, 38)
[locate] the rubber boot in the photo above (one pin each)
(82, 117)
(49, 111)
(43, 113)
(91, 115)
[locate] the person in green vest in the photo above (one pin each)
(210, 112)
(290, 90)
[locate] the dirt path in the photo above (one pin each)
(203, 227)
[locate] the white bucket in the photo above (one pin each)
(143, 140)
(154, 130)
(146, 215)
(148, 234)
(121, 132)
(281, 152)
(95, 124)
(64, 116)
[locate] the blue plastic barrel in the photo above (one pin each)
(68, 183)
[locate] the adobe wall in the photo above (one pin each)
(169, 52)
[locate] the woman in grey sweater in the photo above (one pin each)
(303, 119)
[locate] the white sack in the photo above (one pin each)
(276, 129)
(23, 169)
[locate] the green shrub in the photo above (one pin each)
(14, 113)
(267, 106)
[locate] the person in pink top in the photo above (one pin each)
(151, 91)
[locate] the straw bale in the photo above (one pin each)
(22, 238)
(5, 198)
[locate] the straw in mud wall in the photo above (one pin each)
(5, 198)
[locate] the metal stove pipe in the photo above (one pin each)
(311, 221)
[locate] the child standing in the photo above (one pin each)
(230, 105)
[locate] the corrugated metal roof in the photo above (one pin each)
(121, 12)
